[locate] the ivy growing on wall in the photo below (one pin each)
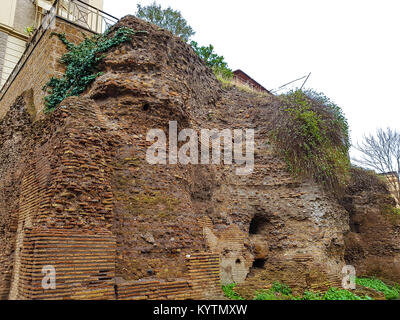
(81, 62)
(312, 134)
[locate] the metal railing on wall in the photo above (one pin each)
(84, 15)
(74, 11)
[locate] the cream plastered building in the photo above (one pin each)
(18, 17)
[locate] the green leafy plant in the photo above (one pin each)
(281, 288)
(310, 295)
(173, 21)
(81, 62)
(265, 295)
(396, 211)
(169, 19)
(279, 291)
(229, 293)
(311, 133)
(342, 294)
(213, 60)
(29, 30)
(390, 292)
(331, 294)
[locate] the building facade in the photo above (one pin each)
(20, 18)
(245, 79)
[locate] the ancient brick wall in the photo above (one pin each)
(14, 128)
(42, 64)
(202, 282)
(373, 243)
(174, 228)
(84, 264)
(65, 216)
(163, 212)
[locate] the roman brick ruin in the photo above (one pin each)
(77, 193)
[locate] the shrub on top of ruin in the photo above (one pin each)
(366, 180)
(173, 21)
(169, 19)
(311, 133)
(396, 211)
(216, 62)
(81, 62)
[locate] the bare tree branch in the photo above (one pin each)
(381, 152)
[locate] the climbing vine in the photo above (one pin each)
(81, 62)
(311, 132)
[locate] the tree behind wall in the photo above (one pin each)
(381, 152)
(169, 19)
(173, 21)
(213, 60)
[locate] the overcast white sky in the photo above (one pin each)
(351, 47)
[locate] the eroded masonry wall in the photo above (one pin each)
(265, 226)
(80, 193)
(13, 129)
(373, 243)
(64, 214)
(59, 196)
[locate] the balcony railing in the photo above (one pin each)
(74, 11)
(84, 15)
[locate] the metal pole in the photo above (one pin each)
(305, 81)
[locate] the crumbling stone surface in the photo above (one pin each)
(155, 231)
(373, 243)
(13, 129)
(157, 78)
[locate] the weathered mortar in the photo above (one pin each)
(65, 215)
(373, 243)
(162, 81)
(77, 184)
(87, 173)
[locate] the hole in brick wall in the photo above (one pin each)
(116, 291)
(258, 263)
(103, 275)
(257, 224)
(237, 261)
(354, 227)
(150, 272)
(103, 271)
